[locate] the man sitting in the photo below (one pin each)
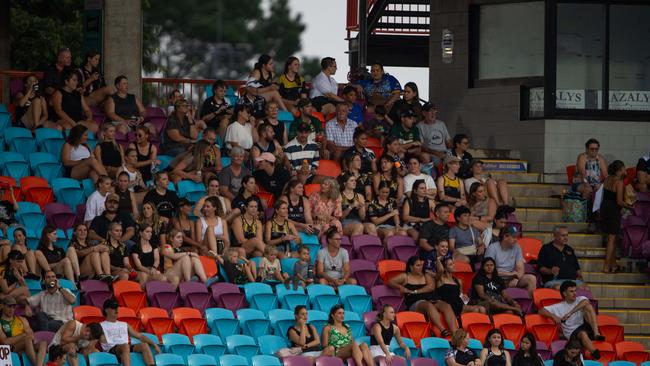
(302, 154)
(510, 262)
(464, 240)
(435, 137)
(324, 88)
(576, 317)
(340, 132)
(270, 176)
(266, 142)
(432, 232)
(99, 226)
(557, 261)
(17, 334)
(75, 337)
(54, 304)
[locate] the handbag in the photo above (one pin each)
(574, 208)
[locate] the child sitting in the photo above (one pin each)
(270, 268)
(380, 126)
(237, 272)
(303, 269)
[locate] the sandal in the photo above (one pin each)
(444, 333)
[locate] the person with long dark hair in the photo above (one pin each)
(570, 355)
(19, 244)
(527, 354)
(212, 221)
(247, 190)
(417, 208)
(298, 206)
(449, 288)
(77, 159)
(353, 205)
(410, 100)
(303, 337)
(260, 81)
(384, 213)
(53, 258)
(292, 85)
(279, 231)
(12, 280)
(489, 290)
(610, 211)
(31, 107)
(70, 107)
(108, 152)
(146, 256)
(247, 229)
(92, 81)
(338, 335)
(382, 333)
(493, 352)
(93, 257)
(388, 173)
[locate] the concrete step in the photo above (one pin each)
(623, 303)
(559, 178)
(495, 154)
(633, 316)
(637, 329)
(605, 290)
(536, 189)
(643, 339)
(596, 264)
(590, 252)
(576, 240)
(516, 177)
(622, 278)
(539, 214)
(574, 227)
(536, 202)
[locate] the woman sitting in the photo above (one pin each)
(124, 108)
(303, 337)
(20, 244)
(117, 252)
(158, 223)
(279, 231)
(181, 265)
(91, 80)
(248, 190)
(337, 334)
(127, 204)
(184, 223)
(489, 290)
(326, 206)
(500, 222)
(147, 153)
(382, 333)
(590, 170)
(77, 160)
(94, 259)
(247, 230)
(493, 352)
(354, 208)
(130, 167)
(31, 107)
(292, 85)
(53, 258)
(497, 190)
(260, 81)
(383, 213)
(570, 355)
(417, 208)
(482, 207)
(418, 290)
(450, 186)
(352, 166)
(212, 221)
(146, 256)
(460, 354)
(12, 280)
(213, 191)
(448, 288)
(298, 207)
(108, 152)
(70, 107)
(189, 164)
(388, 174)
(527, 354)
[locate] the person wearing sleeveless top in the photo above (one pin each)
(94, 261)
(125, 110)
(135, 182)
(180, 265)
(482, 209)
(610, 211)
(589, 170)
(260, 81)
(493, 352)
(418, 291)
(213, 190)
(298, 206)
(450, 186)
(417, 209)
(76, 337)
(146, 256)
(108, 151)
(280, 232)
(353, 205)
(147, 152)
(388, 174)
(448, 288)
(212, 221)
(382, 333)
(303, 337)
(247, 229)
(70, 106)
(12, 326)
(460, 354)
(76, 157)
(127, 204)
(338, 335)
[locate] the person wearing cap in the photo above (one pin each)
(302, 154)
(241, 133)
(271, 176)
(435, 138)
(266, 143)
(368, 158)
(415, 174)
(461, 145)
(450, 186)
(557, 261)
(12, 280)
(96, 203)
(465, 242)
(510, 261)
(16, 333)
(181, 130)
(98, 228)
(407, 133)
(116, 338)
(54, 304)
(340, 132)
(496, 189)
(315, 126)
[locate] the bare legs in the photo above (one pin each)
(498, 190)
(610, 254)
(62, 267)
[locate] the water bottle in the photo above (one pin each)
(310, 271)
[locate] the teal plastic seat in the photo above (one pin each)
(178, 344)
(435, 348)
(270, 344)
(260, 296)
(322, 297)
(266, 360)
(169, 359)
(202, 360)
(281, 320)
(253, 322)
(241, 345)
(355, 298)
(290, 298)
(221, 322)
(102, 359)
(209, 344)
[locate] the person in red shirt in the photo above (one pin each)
(57, 356)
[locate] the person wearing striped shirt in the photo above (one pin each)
(302, 154)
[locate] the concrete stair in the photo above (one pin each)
(537, 200)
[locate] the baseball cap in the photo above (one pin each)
(450, 159)
(9, 300)
(475, 162)
(408, 113)
(304, 127)
(266, 157)
(429, 106)
(110, 304)
(511, 230)
(113, 197)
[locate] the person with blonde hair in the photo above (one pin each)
(382, 333)
(326, 206)
(460, 354)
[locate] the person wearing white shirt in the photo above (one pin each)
(96, 203)
(413, 165)
(241, 133)
(324, 88)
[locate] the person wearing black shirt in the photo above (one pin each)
(489, 290)
(435, 229)
(570, 355)
(165, 200)
(98, 229)
(271, 177)
(461, 144)
(527, 354)
(216, 111)
(52, 78)
(92, 81)
(557, 261)
(7, 208)
(360, 138)
(643, 173)
(460, 354)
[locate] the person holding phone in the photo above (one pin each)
(91, 82)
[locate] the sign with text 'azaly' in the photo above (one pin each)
(5, 355)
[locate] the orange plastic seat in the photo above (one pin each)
(631, 351)
(443, 322)
(10, 181)
(129, 316)
(189, 321)
(413, 325)
(464, 272)
(373, 141)
(610, 328)
(267, 197)
(510, 325)
(546, 296)
(209, 266)
(607, 353)
(129, 294)
(378, 150)
(319, 116)
(329, 168)
(311, 188)
(37, 190)
(530, 248)
(544, 329)
(88, 314)
(476, 324)
(390, 268)
(156, 321)
(570, 172)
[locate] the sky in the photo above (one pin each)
(325, 36)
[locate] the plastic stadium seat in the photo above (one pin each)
(102, 359)
(269, 344)
(49, 140)
(88, 314)
(476, 324)
(463, 271)
(287, 265)
(233, 360)
(162, 294)
(423, 362)
(169, 359)
(266, 197)
(355, 298)
(129, 294)
(266, 360)
(396, 349)
(95, 292)
(156, 321)
(290, 298)
(368, 247)
(322, 297)
(178, 344)
(543, 328)
(189, 321)
(227, 295)
(311, 189)
(384, 295)
(68, 191)
(13, 165)
(401, 247)
(260, 296)
(202, 360)
(221, 322)
(435, 348)
(164, 161)
(253, 322)
(365, 272)
(297, 361)
(88, 186)
(530, 248)
(610, 328)
(318, 319)
(45, 165)
(545, 296)
(328, 168)
(9, 181)
(622, 363)
(130, 317)
(390, 268)
(356, 324)
(191, 190)
(557, 346)
(281, 320)
(20, 140)
(209, 344)
(592, 363)
(607, 353)
(209, 266)
(195, 295)
(631, 351)
(511, 326)
(242, 345)
(522, 297)
(329, 361)
(413, 325)
(59, 215)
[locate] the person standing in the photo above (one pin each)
(610, 211)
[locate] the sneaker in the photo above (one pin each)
(595, 354)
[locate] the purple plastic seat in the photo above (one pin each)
(227, 296)
(522, 297)
(384, 295)
(365, 272)
(152, 111)
(195, 295)
(369, 319)
(368, 247)
(59, 215)
(401, 247)
(297, 361)
(163, 295)
(43, 336)
(633, 237)
(588, 295)
(543, 351)
(421, 361)
(642, 209)
(345, 244)
(329, 361)
(397, 361)
(95, 292)
(557, 346)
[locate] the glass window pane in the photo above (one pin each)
(511, 40)
(580, 41)
(629, 57)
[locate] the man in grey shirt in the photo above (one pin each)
(332, 262)
(433, 134)
(464, 240)
(510, 261)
